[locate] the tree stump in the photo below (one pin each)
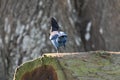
(71, 66)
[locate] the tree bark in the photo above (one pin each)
(24, 27)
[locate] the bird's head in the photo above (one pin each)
(54, 24)
(53, 19)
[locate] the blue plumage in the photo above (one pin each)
(58, 38)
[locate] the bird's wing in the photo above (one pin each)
(61, 33)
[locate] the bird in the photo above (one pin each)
(57, 37)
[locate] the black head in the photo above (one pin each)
(54, 24)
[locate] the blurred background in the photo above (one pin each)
(24, 28)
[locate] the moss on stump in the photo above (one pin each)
(98, 65)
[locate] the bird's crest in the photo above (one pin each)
(54, 25)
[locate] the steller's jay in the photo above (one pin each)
(58, 38)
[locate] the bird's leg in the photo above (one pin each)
(64, 47)
(58, 52)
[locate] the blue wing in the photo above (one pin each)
(54, 41)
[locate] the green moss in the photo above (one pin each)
(96, 65)
(31, 65)
(26, 67)
(80, 67)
